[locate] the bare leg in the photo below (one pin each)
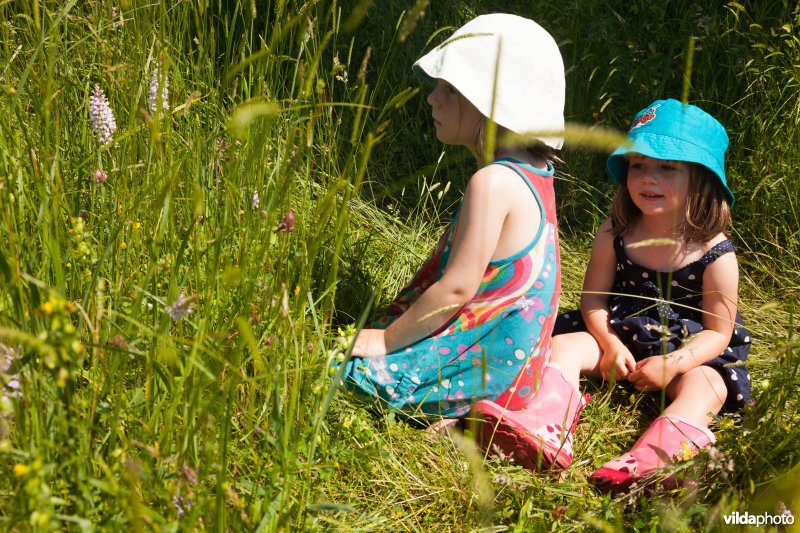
(577, 354)
(442, 426)
(697, 395)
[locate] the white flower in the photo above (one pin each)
(102, 116)
(256, 200)
(182, 505)
(180, 307)
(152, 94)
(9, 383)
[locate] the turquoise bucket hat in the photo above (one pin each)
(669, 129)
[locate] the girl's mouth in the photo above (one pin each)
(650, 195)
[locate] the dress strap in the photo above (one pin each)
(619, 248)
(719, 249)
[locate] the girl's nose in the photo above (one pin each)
(649, 175)
(435, 96)
(430, 98)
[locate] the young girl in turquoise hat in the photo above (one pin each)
(475, 321)
(658, 307)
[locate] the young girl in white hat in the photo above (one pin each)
(658, 309)
(475, 321)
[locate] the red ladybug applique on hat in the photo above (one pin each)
(645, 117)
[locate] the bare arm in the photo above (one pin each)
(486, 205)
(597, 285)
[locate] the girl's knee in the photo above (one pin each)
(571, 343)
(577, 350)
(564, 348)
(704, 382)
(718, 386)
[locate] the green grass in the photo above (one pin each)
(224, 419)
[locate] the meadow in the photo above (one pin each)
(199, 199)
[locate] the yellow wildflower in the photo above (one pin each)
(686, 452)
(63, 378)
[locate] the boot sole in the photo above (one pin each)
(610, 481)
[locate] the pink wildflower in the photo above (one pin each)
(287, 222)
(102, 116)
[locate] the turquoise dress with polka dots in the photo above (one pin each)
(494, 347)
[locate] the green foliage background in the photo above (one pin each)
(225, 418)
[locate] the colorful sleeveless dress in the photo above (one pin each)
(495, 347)
(655, 312)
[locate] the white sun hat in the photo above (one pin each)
(509, 67)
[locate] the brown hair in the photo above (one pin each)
(536, 149)
(707, 210)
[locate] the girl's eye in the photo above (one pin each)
(635, 166)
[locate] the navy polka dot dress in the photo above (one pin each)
(653, 310)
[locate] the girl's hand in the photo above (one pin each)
(653, 373)
(370, 343)
(617, 362)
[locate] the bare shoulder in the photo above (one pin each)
(725, 264)
(605, 233)
(499, 187)
(715, 240)
(603, 245)
(497, 177)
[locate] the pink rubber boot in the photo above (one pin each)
(539, 436)
(668, 439)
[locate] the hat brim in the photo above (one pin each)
(425, 79)
(664, 147)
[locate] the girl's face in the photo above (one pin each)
(658, 186)
(457, 121)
